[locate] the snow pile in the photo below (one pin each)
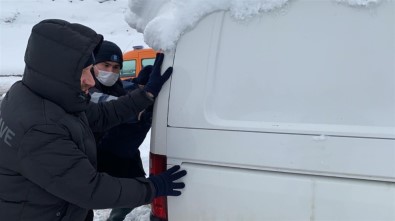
(164, 21)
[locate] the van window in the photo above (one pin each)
(147, 61)
(129, 68)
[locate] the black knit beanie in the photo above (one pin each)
(109, 52)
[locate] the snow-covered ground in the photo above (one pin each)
(18, 17)
(6, 82)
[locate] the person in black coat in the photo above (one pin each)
(47, 148)
(117, 149)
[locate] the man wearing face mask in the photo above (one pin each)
(118, 153)
(106, 70)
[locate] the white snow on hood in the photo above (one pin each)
(164, 21)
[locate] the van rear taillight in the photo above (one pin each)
(159, 204)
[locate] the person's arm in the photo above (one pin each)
(52, 161)
(99, 97)
(130, 86)
(105, 115)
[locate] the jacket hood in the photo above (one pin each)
(55, 56)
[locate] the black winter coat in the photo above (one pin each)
(47, 148)
(118, 148)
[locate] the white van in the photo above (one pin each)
(287, 116)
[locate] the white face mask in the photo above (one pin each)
(107, 78)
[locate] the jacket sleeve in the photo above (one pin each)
(52, 161)
(105, 115)
(98, 97)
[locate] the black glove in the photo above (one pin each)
(164, 182)
(143, 76)
(156, 80)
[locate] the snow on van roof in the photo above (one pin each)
(164, 21)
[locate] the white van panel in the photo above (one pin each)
(370, 159)
(288, 116)
(221, 193)
(316, 67)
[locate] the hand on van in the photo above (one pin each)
(156, 80)
(143, 76)
(164, 182)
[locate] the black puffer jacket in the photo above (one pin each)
(47, 149)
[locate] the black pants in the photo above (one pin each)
(89, 217)
(119, 214)
(120, 167)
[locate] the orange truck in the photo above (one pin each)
(135, 60)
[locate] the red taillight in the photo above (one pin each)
(159, 204)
